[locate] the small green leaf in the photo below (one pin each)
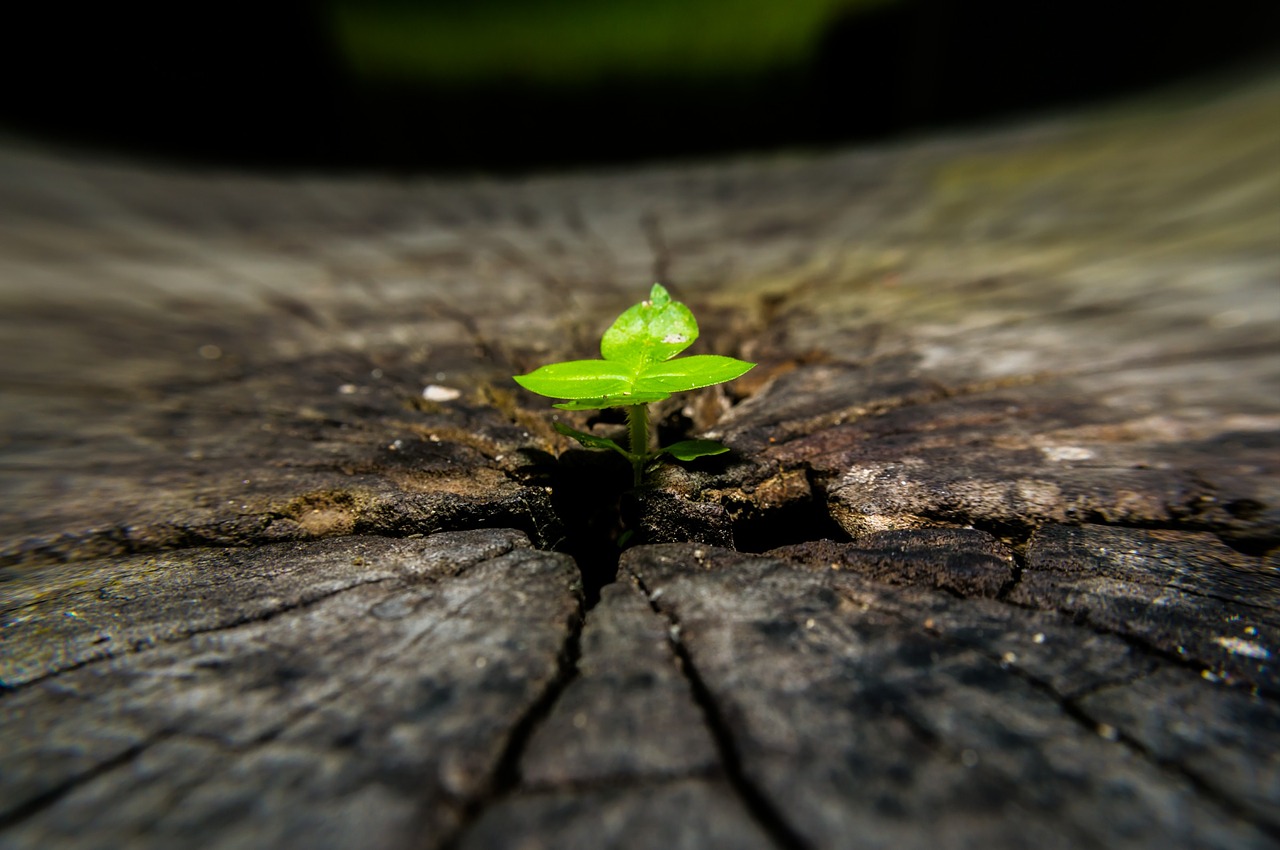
(620, 400)
(578, 379)
(639, 366)
(690, 373)
(693, 449)
(650, 332)
(591, 441)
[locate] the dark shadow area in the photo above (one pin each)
(587, 490)
(263, 85)
(756, 530)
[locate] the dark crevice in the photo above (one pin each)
(587, 488)
(757, 804)
(601, 513)
(1018, 546)
(1015, 578)
(759, 529)
(1014, 535)
(506, 775)
(1251, 546)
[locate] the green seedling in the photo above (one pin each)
(639, 367)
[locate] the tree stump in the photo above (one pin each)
(289, 561)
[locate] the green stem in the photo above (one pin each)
(638, 431)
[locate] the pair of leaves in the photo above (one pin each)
(637, 367)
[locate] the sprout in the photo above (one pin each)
(639, 366)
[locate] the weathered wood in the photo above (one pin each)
(359, 691)
(1181, 593)
(875, 715)
(1011, 455)
(626, 757)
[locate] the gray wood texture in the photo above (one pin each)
(287, 560)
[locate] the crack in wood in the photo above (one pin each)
(848, 264)
(762, 810)
(50, 797)
(1081, 618)
(296, 717)
(151, 642)
(1072, 708)
(505, 779)
(1070, 705)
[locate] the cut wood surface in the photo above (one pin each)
(287, 560)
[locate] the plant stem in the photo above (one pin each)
(638, 432)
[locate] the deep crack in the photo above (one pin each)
(761, 809)
(760, 528)
(587, 493)
(506, 776)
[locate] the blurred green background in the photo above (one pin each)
(527, 85)
(576, 42)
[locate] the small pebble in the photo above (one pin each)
(435, 392)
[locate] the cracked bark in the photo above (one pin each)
(874, 714)
(373, 714)
(624, 758)
(275, 562)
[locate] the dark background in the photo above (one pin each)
(268, 85)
